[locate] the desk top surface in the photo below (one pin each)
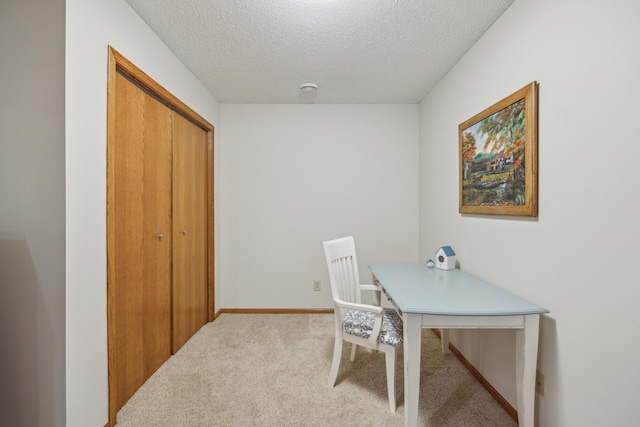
(415, 288)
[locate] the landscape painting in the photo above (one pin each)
(498, 157)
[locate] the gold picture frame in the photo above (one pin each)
(499, 157)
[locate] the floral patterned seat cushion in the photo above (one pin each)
(360, 323)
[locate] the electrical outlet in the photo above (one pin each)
(540, 383)
(316, 285)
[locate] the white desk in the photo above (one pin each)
(432, 298)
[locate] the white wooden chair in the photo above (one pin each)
(359, 324)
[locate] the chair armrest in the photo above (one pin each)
(355, 306)
(369, 287)
(377, 322)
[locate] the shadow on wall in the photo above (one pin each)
(26, 366)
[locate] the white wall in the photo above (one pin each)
(296, 175)
(91, 27)
(576, 258)
(32, 208)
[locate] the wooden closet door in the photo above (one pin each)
(139, 237)
(189, 229)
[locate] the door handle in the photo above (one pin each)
(160, 236)
(184, 232)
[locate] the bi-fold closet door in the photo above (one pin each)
(157, 235)
(189, 301)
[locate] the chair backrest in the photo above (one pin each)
(343, 269)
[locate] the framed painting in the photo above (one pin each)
(499, 157)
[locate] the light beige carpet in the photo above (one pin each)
(272, 370)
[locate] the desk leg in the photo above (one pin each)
(526, 361)
(412, 330)
(444, 340)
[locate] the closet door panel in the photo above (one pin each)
(190, 229)
(140, 236)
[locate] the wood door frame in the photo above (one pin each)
(118, 63)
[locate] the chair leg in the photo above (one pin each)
(354, 347)
(335, 364)
(390, 357)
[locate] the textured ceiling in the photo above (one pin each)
(356, 51)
